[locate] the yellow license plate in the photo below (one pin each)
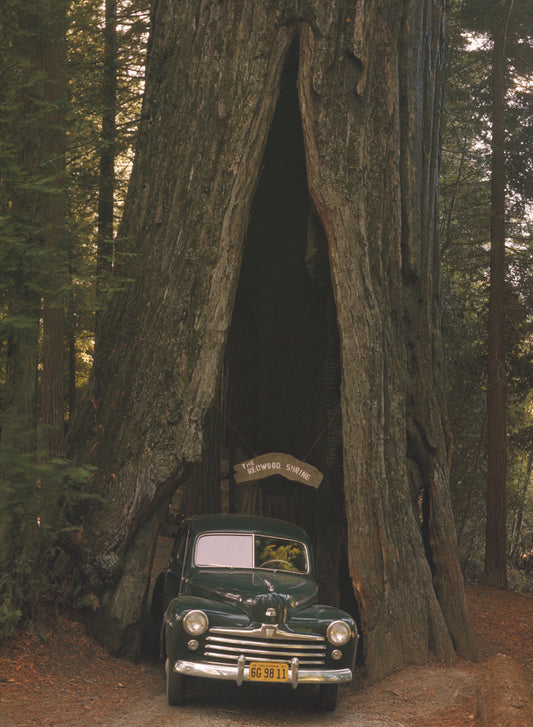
(268, 671)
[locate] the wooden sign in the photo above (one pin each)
(277, 464)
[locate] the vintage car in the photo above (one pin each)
(238, 601)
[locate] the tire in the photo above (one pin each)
(175, 686)
(329, 697)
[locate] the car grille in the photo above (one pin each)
(267, 643)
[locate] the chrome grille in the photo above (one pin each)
(267, 643)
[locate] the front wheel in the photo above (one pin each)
(329, 697)
(175, 685)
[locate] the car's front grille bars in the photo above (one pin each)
(267, 643)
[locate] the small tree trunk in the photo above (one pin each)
(517, 549)
(71, 347)
(35, 192)
(53, 387)
(19, 390)
(40, 258)
(106, 190)
(495, 571)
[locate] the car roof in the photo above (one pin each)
(236, 523)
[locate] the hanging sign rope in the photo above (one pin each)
(277, 464)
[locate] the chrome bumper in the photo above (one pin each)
(240, 673)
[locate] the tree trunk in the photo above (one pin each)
(495, 570)
(107, 151)
(56, 260)
(19, 389)
(369, 91)
(33, 285)
(159, 356)
(517, 550)
(38, 257)
(377, 203)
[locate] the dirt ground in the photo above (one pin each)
(66, 680)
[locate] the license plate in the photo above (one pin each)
(268, 671)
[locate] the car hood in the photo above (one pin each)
(265, 596)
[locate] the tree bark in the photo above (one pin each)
(495, 570)
(377, 203)
(157, 364)
(369, 90)
(56, 261)
(38, 256)
(517, 550)
(104, 263)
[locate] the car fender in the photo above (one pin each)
(318, 613)
(174, 638)
(317, 617)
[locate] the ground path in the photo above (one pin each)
(69, 681)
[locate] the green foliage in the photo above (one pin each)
(38, 494)
(280, 554)
(465, 235)
(37, 497)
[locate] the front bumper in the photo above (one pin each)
(240, 673)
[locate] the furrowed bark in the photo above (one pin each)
(203, 134)
(369, 91)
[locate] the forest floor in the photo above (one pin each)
(67, 680)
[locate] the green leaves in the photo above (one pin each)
(465, 235)
(37, 499)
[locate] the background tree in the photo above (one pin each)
(495, 573)
(466, 234)
(202, 141)
(34, 251)
(48, 265)
(108, 143)
(284, 362)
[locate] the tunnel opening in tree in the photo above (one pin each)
(283, 357)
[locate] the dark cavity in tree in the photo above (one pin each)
(283, 357)
(278, 336)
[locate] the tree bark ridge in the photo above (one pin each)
(370, 139)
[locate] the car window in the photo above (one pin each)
(224, 550)
(280, 554)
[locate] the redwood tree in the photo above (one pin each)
(495, 570)
(107, 152)
(369, 88)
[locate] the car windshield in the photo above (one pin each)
(247, 550)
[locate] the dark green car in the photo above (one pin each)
(239, 602)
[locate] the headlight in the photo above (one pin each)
(338, 633)
(195, 622)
